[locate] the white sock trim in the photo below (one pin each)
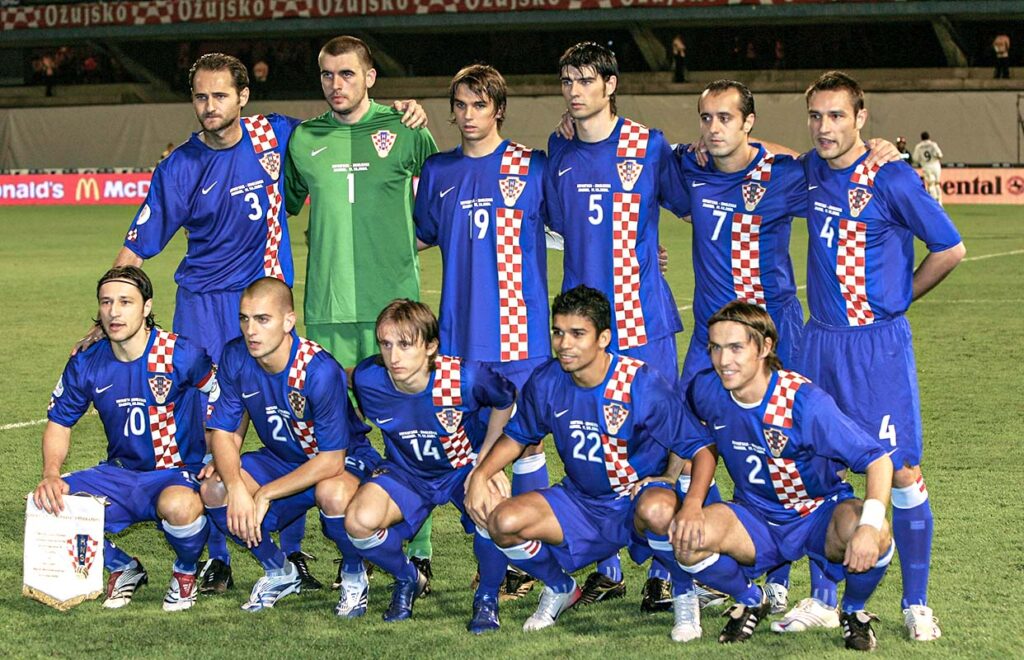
(482, 532)
(370, 542)
(887, 557)
(658, 544)
(910, 496)
(324, 515)
(701, 565)
(526, 550)
(529, 464)
(185, 531)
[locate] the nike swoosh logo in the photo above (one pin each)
(212, 186)
(382, 421)
(697, 185)
(811, 187)
(445, 192)
(101, 390)
(561, 172)
(249, 395)
(316, 152)
(559, 414)
(719, 427)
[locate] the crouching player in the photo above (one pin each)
(144, 383)
(432, 411)
(614, 421)
(295, 394)
(783, 441)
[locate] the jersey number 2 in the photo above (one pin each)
(581, 440)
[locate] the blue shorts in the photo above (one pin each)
(264, 466)
(594, 529)
(775, 545)
(789, 322)
(208, 320)
(660, 354)
(132, 494)
(517, 372)
(416, 497)
(362, 462)
(871, 373)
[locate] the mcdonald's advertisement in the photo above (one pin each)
(74, 189)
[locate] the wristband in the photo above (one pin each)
(873, 514)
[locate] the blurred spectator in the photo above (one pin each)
(901, 146)
(167, 151)
(780, 55)
(49, 70)
(678, 59)
(1001, 47)
(750, 56)
(258, 84)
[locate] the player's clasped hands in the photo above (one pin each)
(243, 520)
(686, 532)
(481, 497)
(49, 494)
(862, 550)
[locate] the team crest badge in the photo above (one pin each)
(614, 417)
(450, 419)
(629, 173)
(511, 188)
(82, 549)
(58, 389)
(271, 162)
(752, 194)
(776, 440)
(859, 198)
(297, 402)
(132, 235)
(160, 386)
(383, 141)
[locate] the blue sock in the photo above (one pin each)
(217, 545)
(658, 570)
(529, 473)
(723, 573)
(860, 586)
(611, 568)
(822, 586)
(492, 562)
(292, 535)
(187, 541)
(385, 550)
(114, 558)
(665, 559)
(780, 575)
(334, 529)
(537, 559)
(266, 553)
(912, 527)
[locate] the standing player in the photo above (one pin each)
(860, 281)
(356, 162)
(436, 413)
(603, 190)
(614, 421)
(928, 155)
(783, 441)
(295, 394)
(482, 204)
(144, 383)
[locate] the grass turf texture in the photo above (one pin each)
(968, 340)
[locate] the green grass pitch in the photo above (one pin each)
(969, 351)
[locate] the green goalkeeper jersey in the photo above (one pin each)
(362, 245)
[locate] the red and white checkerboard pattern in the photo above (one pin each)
(516, 160)
(261, 133)
(272, 250)
(789, 486)
(161, 354)
(447, 390)
(132, 235)
(152, 13)
(863, 175)
(763, 170)
(746, 258)
(779, 411)
(629, 314)
(457, 448)
(851, 270)
(303, 356)
(621, 382)
(511, 304)
(303, 432)
(91, 545)
(162, 429)
(621, 474)
(290, 8)
(20, 18)
(633, 139)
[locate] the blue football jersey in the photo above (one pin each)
(604, 199)
(783, 454)
(440, 429)
(150, 407)
(298, 412)
(487, 217)
(608, 436)
(861, 228)
(229, 201)
(741, 227)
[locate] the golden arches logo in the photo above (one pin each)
(87, 188)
